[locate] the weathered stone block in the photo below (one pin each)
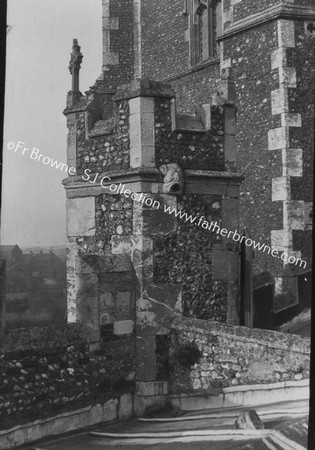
(125, 406)
(278, 138)
(293, 162)
(230, 152)
(81, 216)
(139, 105)
(230, 213)
(225, 264)
(280, 189)
(123, 305)
(106, 300)
(286, 33)
(156, 221)
(107, 317)
(294, 213)
(87, 305)
(229, 120)
(287, 77)
(281, 240)
(145, 358)
(150, 404)
(233, 191)
(152, 388)
(278, 58)
(123, 327)
(158, 307)
(279, 101)
(291, 120)
(110, 410)
(142, 133)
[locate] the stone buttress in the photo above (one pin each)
(145, 178)
(146, 182)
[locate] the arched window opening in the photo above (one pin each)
(216, 26)
(207, 26)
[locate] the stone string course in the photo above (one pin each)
(244, 8)
(234, 356)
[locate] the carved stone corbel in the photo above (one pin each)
(173, 182)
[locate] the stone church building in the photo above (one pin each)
(202, 115)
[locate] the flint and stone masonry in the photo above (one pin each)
(131, 266)
(273, 101)
(266, 49)
(161, 122)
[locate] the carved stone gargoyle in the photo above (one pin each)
(173, 182)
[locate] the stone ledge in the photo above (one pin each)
(146, 179)
(70, 421)
(293, 12)
(233, 176)
(144, 87)
(256, 387)
(152, 388)
(245, 396)
(131, 175)
(76, 102)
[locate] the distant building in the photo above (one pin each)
(35, 287)
(10, 252)
(44, 265)
(15, 272)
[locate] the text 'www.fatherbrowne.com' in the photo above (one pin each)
(199, 221)
(145, 199)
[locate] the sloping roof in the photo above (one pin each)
(41, 258)
(6, 250)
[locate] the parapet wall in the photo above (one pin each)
(47, 371)
(234, 356)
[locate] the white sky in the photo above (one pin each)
(37, 81)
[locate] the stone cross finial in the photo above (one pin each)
(75, 64)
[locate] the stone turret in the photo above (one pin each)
(135, 260)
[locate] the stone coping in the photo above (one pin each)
(293, 12)
(80, 104)
(146, 174)
(137, 174)
(268, 338)
(144, 87)
(257, 387)
(291, 409)
(151, 388)
(116, 408)
(246, 388)
(234, 176)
